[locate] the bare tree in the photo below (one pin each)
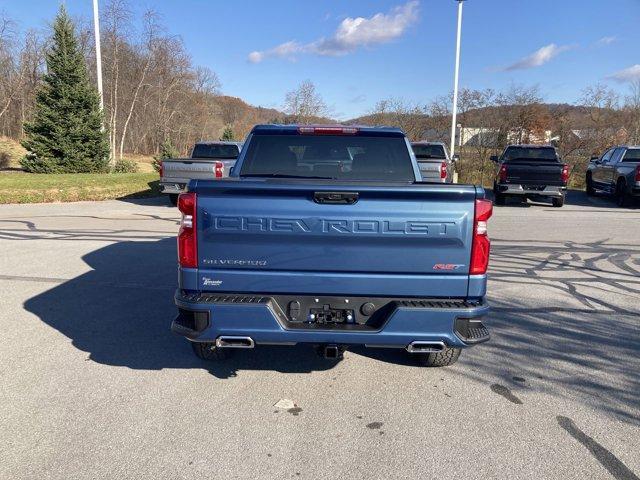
(601, 102)
(396, 112)
(523, 117)
(12, 75)
(632, 110)
(304, 103)
(117, 21)
(150, 19)
(485, 139)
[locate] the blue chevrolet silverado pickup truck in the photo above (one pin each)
(327, 235)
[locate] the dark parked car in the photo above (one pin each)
(530, 171)
(616, 172)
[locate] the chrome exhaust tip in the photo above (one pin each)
(226, 341)
(426, 347)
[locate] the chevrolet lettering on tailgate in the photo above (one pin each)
(318, 225)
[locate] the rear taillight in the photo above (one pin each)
(219, 169)
(161, 170)
(187, 238)
(481, 245)
(503, 174)
(565, 174)
(443, 170)
(637, 179)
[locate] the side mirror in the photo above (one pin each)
(455, 158)
(494, 158)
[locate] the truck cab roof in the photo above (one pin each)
(217, 142)
(327, 129)
(530, 145)
(425, 142)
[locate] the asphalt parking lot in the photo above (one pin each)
(94, 385)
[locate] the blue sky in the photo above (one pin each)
(358, 52)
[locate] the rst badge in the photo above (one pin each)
(448, 266)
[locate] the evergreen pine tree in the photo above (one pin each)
(65, 135)
(227, 135)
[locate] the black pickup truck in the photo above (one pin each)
(530, 171)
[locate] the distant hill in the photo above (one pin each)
(242, 116)
(577, 117)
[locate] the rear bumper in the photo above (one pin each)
(173, 187)
(205, 317)
(434, 178)
(547, 191)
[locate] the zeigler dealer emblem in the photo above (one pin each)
(206, 281)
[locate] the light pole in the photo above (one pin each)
(455, 81)
(96, 29)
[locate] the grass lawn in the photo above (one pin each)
(72, 187)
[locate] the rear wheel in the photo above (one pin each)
(209, 351)
(173, 198)
(558, 201)
(623, 199)
(499, 198)
(447, 357)
(590, 190)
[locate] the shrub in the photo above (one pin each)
(167, 150)
(227, 135)
(125, 165)
(5, 160)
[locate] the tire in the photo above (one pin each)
(209, 351)
(558, 201)
(623, 199)
(590, 190)
(173, 198)
(499, 198)
(447, 357)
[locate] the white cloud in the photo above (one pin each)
(606, 41)
(351, 34)
(630, 74)
(287, 49)
(539, 57)
(256, 57)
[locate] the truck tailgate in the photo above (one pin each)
(535, 173)
(430, 170)
(275, 237)
(187, 169)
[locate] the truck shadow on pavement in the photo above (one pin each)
(120, 314)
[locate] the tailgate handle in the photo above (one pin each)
(336, 198)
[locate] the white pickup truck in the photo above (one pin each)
(208, 161)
